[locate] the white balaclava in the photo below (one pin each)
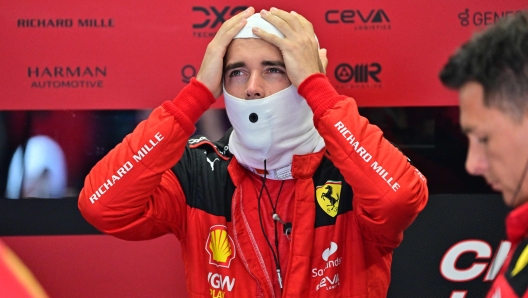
(273, 128)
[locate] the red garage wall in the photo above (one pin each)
(103, 266)
(134, 55)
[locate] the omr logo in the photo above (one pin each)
(220, 247)
(360, 73)
(215, 16)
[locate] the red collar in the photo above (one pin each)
(517, 223)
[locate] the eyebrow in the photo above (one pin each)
(273, 63)
(234, 65)
(467, 130)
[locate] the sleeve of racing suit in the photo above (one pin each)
(389, 191)
(132, 193)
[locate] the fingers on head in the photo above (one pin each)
(308, 28)
(271, 38)
(232, 31)
(276, 20)
(231, 27)
(236, 19)
(292, 19)
(303, 21)
(290, 24)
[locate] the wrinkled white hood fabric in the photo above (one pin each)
(272, 128)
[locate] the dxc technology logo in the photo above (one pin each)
(208, 19)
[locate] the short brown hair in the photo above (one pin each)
(497, 58)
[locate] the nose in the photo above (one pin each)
(255, 87)
(476, 160)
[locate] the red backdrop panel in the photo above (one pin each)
(103, 266)
(134, 55)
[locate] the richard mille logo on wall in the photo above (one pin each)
(65, 23)
(66, 77)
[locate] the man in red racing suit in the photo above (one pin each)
(490, 73)
(324, 226)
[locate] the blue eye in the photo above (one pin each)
(275, 70)
(235, 73)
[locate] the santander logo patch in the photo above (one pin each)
(329, 251)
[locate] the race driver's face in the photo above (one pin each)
(498, 146)
(254, 69)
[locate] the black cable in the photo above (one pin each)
(277, 264)
(274, 208)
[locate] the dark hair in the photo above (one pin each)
(497, 58)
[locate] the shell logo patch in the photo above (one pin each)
(220, 247)
(328, 196)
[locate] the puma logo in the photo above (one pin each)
(211, 162)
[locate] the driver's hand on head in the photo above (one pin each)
(211, 70)
(299, 46)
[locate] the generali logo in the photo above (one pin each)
(220, 247)
(328, 196)
(483, 18)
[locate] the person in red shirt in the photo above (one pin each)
(301, 198)
(490, 71)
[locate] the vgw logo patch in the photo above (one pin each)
(328, 196)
